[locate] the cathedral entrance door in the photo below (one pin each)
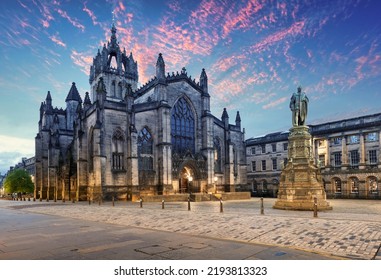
(185, 180)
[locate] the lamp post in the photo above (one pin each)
(190, 179)
(215, 184)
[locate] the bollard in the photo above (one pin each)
(315, 207)
(113, 203)
(141, 203)
(89, 201)
(262, 208)
(162, 204)
(63, 200)
(189, 208)
(99, 202)
(73, 200)
(24, 198)
(34, 199)
(40, 199)
(47, 199)
(221, 206)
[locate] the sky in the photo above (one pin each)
(255, 53)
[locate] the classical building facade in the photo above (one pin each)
(128, 141)
(347, 152)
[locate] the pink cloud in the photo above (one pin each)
(91, 14)
(243, 18)
(294, 30)
(225, 63)
(83, 60)
(57, 41)
(275, 103)
(74, 21)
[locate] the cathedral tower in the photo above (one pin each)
(116, 68)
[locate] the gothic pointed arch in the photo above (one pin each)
(217, 155)
(183, 127)
(145, 149)
(117, 143)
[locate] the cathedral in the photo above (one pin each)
(127, 141)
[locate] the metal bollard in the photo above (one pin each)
(63, 200)
(113, 203)
(141, 203)
(34, 199)
(315, 207)
(162, 204)
(89, 201)
(221, 206)
(262, 208)
(189, 208)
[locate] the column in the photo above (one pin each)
(344, 153)
(362, 151)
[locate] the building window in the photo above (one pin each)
(263, 147)
(273, 146)
(253, 151)
(372, 185)
(253, 166)
(182, 127)
(371, 137)
(285, 146)
(275, 164)
(354, 158)
(354, 185)
(113, 88)
(353, 139)
(337, 185)
(117, 150)
(120, 90)
(145, 150)
(285, 161)
(321, 160)
(337, 159)
(372, 156)
(217, 155)
(263, 165)
(336, 140)
(321, 143)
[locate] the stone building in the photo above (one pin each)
(347, 152)
(128, 141)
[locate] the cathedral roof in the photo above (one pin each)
(73, 94)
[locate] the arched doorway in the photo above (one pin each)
(186, 179)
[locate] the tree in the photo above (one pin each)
(18, 181)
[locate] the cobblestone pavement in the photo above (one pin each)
(351, 230)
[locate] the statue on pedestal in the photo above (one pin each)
(299, 107)
(300, 182)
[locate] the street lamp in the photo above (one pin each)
(190, 179)
(215, 182)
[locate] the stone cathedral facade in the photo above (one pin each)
(128, 142)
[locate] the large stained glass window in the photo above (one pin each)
(145, 150)
(182, 127)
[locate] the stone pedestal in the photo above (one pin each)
(300, 179)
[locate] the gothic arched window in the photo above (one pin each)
(145, 150)
(182, 127)
(217, 155)
(120, 90)
(117, 150)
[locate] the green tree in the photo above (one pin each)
(18, 181)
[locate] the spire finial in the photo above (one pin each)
(113, 17)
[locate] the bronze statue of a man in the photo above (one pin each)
(299, 107)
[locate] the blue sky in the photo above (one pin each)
(255, 53)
